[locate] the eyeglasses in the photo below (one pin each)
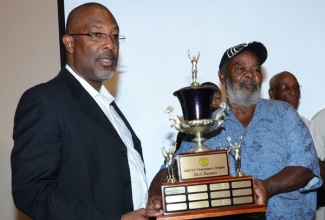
(287, 88)
(101, 37)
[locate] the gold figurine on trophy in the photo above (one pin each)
(194, 61)
(169, 161)
(236, 148)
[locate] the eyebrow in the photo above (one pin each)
(288, 84)
(100, 27)
(239, 63)
(245, 64)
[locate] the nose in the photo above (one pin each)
(294, 91)
(250, 73)
(109, 44)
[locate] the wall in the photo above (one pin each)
(29, 55)
(154, 61)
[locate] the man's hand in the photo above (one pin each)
(322, 171)
(141, 214)
(289, 179)
(261, 192)
(154, 199)
(154, 202)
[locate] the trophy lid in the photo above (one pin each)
(196, 101)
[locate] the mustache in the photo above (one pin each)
(107, 55)
(253, 85)
(243, 82)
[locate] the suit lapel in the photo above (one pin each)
(88, 104)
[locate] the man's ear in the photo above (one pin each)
(68, 42)
(271, 94)
(221, 77)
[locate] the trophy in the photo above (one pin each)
(205, 187)
(196, 106)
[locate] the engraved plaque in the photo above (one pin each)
(218, 186)
(174, 190)
(220, 194)
(203, 165)
(243, 200)
(178, 198)
(207, 193)
(198, 205)
(197, 188)
(221, 202)
(242, 192)
(241, 184)
(176, 207)
(197, 196)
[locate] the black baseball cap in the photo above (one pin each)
(256, 47)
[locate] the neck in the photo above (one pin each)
(95, 85)
(244, 114)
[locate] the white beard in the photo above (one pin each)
(238, 95)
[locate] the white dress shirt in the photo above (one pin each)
(136, 165)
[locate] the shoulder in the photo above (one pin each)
(318, 120)
(275, 107)
(305, 120)
(57, 88)
(46, 85)
(319, 116)
(276, 104)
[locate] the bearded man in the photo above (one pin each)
(277, 149)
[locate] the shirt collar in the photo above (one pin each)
(93, 92)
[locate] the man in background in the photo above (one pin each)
(217, 97)
(285, 87)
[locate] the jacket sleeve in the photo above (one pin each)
(36, 163)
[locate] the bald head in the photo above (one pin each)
(280, 77)
(284, 86)
(77, 15)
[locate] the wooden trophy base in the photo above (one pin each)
(209, 197)
(215, 212)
